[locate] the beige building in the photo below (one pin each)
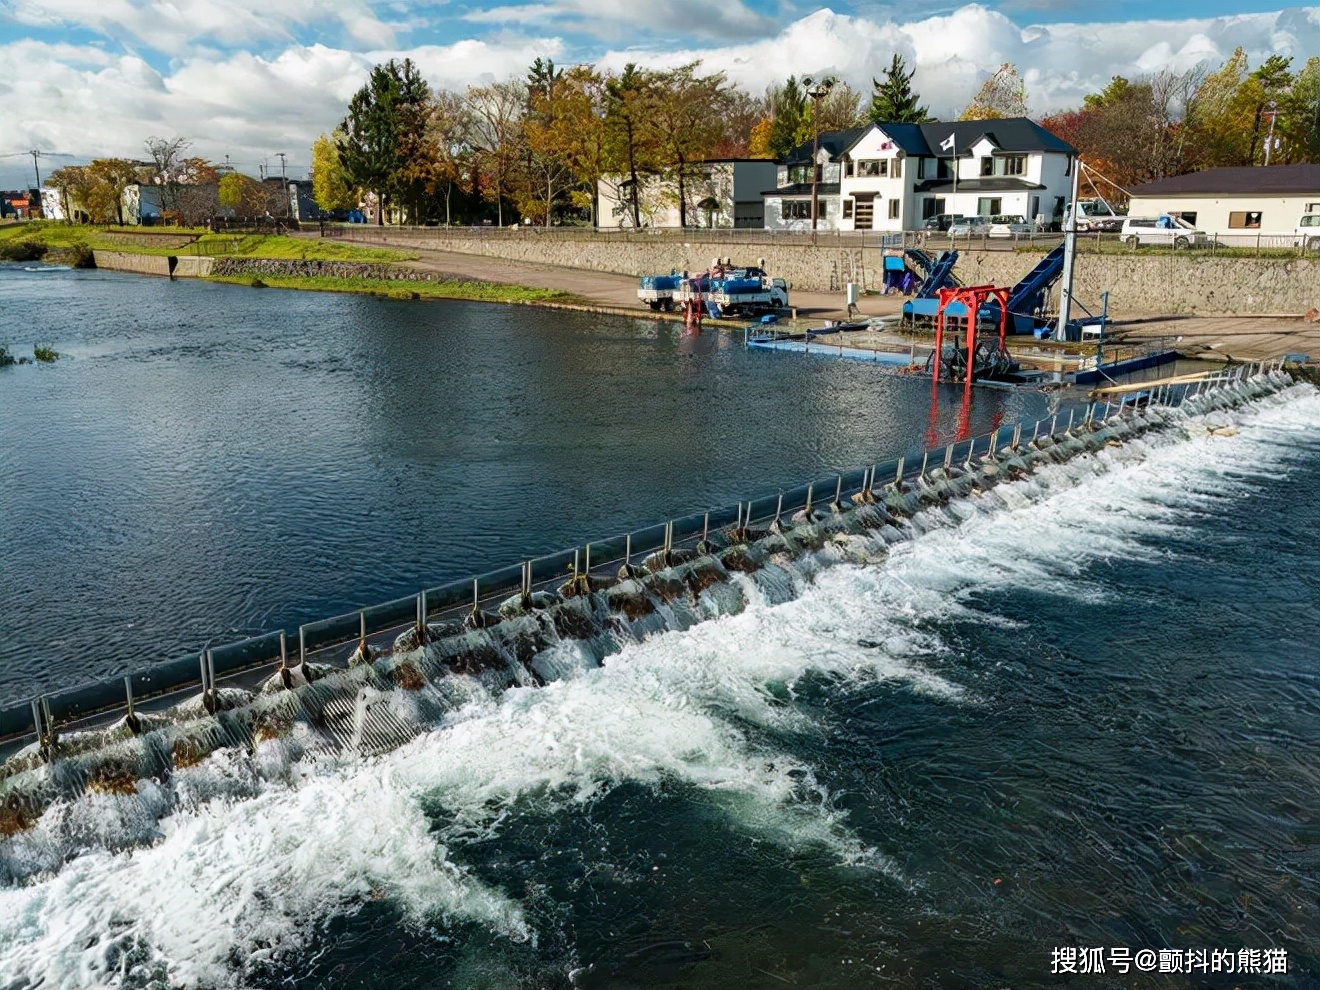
(1234, 202)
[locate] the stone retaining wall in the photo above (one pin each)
(294, 268)
(1137, 284)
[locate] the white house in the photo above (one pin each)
(896, 176)
(723, 192)
(1246, 201)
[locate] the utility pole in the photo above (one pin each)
(35, 167)
(1069, 255)
(817, 91)
(284, 181)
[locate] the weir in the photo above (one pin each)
(369, 681)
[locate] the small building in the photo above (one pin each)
(1243, 201)
(20, 204)
(896, 176)
(720, 193)
(143, 204)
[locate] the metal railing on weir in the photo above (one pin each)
(328, 640)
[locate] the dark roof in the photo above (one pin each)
(1005, 184)
(1242, 181)
(804, 189)
(835, 142)
(908, 137)
(1010, 134)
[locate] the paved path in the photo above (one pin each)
(615, 291)
(1241, 338)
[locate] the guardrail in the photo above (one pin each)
(1236, 243)
(328, 639)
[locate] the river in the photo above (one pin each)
(209, 462)
(1086, 720)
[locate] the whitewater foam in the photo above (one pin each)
(256, 851)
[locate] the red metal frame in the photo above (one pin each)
(973, 297)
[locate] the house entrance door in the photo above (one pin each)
(862, 214)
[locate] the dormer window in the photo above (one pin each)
(987, 165)
(1015, 164)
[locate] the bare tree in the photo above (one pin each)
(497, 112)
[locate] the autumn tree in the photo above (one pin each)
(839, 110)
(497, 133)
(450, 132)
(72, 183)
(109, 178)
(566, 133)
(892, 101)
(1004, 94)
(243, 194)
(687, 109)
(330, 186)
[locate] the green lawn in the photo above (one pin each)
(167, 241)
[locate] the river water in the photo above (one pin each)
(1086, 720)
(211, 461)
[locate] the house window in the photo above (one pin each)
(988, 206)
(847, 209)
(987, 165)
(1186, 216)
(799, 173)
(932, 206)
(1312, 208)
(894, 205)
(822, 209)
(796, 209)
(1015, 165)
(896, 168)
(1249, 221)
(848, 167)
(876, 169)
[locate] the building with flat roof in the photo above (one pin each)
(1246, 200)
(720, 193)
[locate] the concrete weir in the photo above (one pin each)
(393, 688)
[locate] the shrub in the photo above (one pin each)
(257, 283)
(6, 358)
(22, 250)
(44, 352)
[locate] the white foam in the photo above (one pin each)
(258, 852)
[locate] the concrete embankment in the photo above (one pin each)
(1137, 284)
(187, 266)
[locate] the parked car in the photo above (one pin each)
(1163, 229)
(1006, 225)
(970, 227)
(1308, 232)
(941, 221)
(1100, 224)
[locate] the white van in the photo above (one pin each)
(1308, 232)
(1164, 230)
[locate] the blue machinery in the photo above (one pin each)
(1025, 301)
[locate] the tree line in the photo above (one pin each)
(535, 147)
(191, 187)
(1166, 123)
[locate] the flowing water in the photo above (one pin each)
(210, 462)
(1086, 715)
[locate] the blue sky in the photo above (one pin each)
(250, 78)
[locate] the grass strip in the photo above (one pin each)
(456, 288)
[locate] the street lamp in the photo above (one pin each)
(1269, 141)
(817, 90)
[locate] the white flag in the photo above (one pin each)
(947, 145)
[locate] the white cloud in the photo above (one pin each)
(96, 102)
